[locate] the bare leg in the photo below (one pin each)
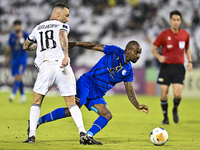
(103, 110)
(177, 89)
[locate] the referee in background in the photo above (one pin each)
(174, 42)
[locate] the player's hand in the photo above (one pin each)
(65, 62)
(143, 108)
(4, 61)
(71, 44)
(189, 66)
(162, 59)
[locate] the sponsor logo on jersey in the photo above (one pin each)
(169, 46)
(181, 44)
(124, 72)
(64, 26)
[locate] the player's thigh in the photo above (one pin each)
(164, 76)
(45, 78)
(65, 81)
(164, 91)
(103, 110)
(82, 91)
(177, 89)
(18, 69)
(179, 74)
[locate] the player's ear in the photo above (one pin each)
(58, 13)
(170, 20)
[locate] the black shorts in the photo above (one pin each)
(171, 73)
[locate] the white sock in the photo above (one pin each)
(77, 116)
(23, 98)
(12, 96)
(34, 117)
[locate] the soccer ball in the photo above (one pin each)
(158, 136)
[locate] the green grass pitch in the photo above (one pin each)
(129, 129)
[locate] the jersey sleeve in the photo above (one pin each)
(159, 40)
(32, 37)
(129, 78)
(66, 28)
(10, 41)
(26, 35)
(110, 48)
(187, 41)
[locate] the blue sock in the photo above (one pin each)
(15, 87)
(21, 87)
(99, 124)
(54, 115)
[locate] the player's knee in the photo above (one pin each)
(37, 102)
(177, 96)
(164, 96)
(107, 114)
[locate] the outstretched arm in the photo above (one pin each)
(29, 46)
(88, 45)
(133, 99)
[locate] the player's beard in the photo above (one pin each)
(134, 60)
(63, 21)
(18, 31)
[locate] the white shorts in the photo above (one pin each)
(50, 74)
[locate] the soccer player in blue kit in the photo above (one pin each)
(114, 67)
(19, 57)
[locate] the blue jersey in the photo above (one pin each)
(19, 55)
(110, 69)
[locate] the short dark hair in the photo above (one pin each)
(175, 12)
(17, 22)
(131, 44)
(60, 5)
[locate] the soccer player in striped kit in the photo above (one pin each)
(175, 43)
(53, 63)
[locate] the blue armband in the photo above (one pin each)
(94, 109)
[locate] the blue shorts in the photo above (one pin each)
(18, 69)
(83, 89)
